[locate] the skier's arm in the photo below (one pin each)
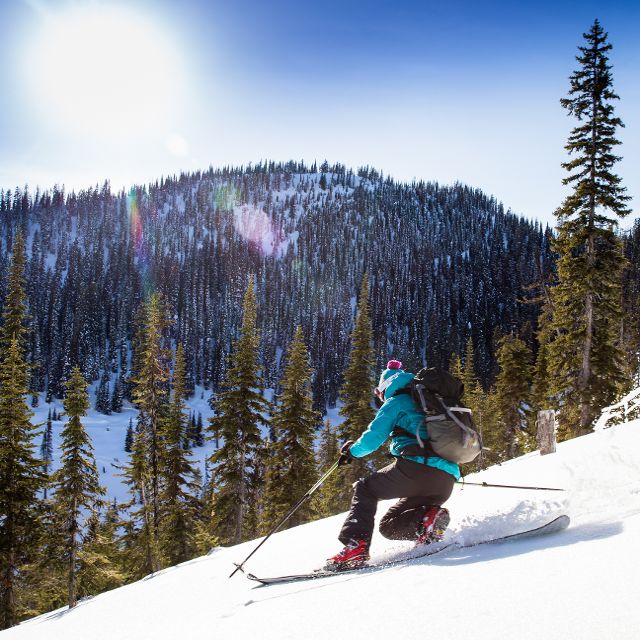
(377, 432)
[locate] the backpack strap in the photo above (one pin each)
(422, 449)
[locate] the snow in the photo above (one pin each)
(108, 432)
(581, 583)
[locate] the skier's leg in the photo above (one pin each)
(431, 487)
(402, 519)
(387, 483)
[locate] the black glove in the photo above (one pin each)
(345, 455)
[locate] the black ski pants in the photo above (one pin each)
(418, 487)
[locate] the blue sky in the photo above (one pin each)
(459, 91)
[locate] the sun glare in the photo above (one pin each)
(105, 69)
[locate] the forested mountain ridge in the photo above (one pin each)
(444, 264)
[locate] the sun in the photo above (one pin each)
(105, 69)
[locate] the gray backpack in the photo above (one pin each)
(452, 435)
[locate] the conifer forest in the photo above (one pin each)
(284, 288)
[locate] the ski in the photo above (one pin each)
(553, 526)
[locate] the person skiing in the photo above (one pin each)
(420, 479)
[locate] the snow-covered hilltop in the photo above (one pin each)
(581, 583)
(308, 233)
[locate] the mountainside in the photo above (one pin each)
(444, 263)
(581, 583)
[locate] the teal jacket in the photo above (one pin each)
(399, 411)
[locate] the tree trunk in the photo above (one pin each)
(8, 618)
(72, 559)
(546, 431)
(242, 493)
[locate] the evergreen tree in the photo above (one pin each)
(473, 397)
(46, 450)
(357, 390)
(21, 474)
(240, 409)
(14, 314)
(585, 361)
(513, 394)
(325, 500)
(291, 468)
(103, 402)
(199, 439)
(472, 388)
(143, 473)
(487, 419)
(178, 504)
(455, 366)
(21, 478)
(76, 483)
(100, 559)
(128, 440)
(117, 397)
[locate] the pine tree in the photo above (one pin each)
(489, 424)
(76, 483)
(513, 393)
(291, 469)
(117, 397)
(325, 500)
(128, 440)
(100, 559)
(21, 476)
(585, 360)
(178, 504)
(357, 390)
(103, 403)
(240, 409)
(473, 396)
(150, 395)
(199, 439)
(15, 308)
(46, 450)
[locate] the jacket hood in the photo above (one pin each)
(399, 381)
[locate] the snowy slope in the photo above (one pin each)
(108, 432)
(581, 583)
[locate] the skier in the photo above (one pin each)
(422, 480)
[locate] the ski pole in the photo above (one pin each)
(508, 486)
(300, 502)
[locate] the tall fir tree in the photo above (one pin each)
(356, 392)
(103, 402)
(473, 396)
(179, 489)
(76, 483)
(46, 450)
(100, 560)
(472, 388)
(21, 476)
(292, 467)
(150, 394)
(585, 359)
(513, 394)
(117, 396)
(325, 500)
(240, 410)
(128, 439)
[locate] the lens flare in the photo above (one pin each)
(141, 252)
(257, 228)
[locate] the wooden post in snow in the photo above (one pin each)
(546, 431)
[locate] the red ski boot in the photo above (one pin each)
(354, 555)
(433, 525)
